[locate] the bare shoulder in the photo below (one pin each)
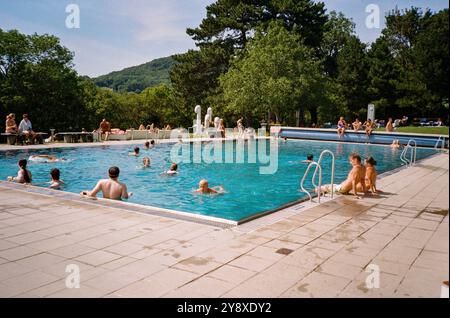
(122, 184)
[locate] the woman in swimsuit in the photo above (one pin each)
(341, 127)
(23, 176)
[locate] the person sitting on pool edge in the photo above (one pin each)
(203, 188)
(135, 153)
(369, 127)
(24, 175)
(111, 188)
(309, 159)
(357, 125)
(341, 127)
(356, 178)
(11, 126)
(56, 182)
(371, 176)
(146, 162)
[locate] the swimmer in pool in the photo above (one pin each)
(146, 162)
(111, 188)
(24, 175)
(135, 153)
(203, 188)
(172, 171)
(149, 144)
(395, 144)
(56, 182)
(309, 159)
(45, 159)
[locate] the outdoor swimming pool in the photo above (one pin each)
(248, 191)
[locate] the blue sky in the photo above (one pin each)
(115, 34)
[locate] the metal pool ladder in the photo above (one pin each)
(333, 162)
(412, 160)
(442, 141)
(318, 167)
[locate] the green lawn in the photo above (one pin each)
(421, 130)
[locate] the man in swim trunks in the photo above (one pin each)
(26, 129)
(357, 125)
(105, 128)
(390, 125)
(111, 188)
(356, 178)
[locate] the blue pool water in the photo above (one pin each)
(248, 191)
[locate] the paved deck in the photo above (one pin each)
(321, 252)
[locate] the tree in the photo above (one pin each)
(352, 77)
(431, 56)
(37, 77)
(277, 74)
(338, 32)
(161, 106)
(224, 33)
(417, 43)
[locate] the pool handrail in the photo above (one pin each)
(414, 149)
(333, 162)
(442, 141)
(404, 159)
(319, 188)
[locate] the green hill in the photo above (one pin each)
(137, 78)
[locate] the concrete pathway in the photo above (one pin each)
(331, 250)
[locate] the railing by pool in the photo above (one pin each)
(382, 138)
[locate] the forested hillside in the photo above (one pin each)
(137, 78)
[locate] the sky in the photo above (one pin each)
(115, 34)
